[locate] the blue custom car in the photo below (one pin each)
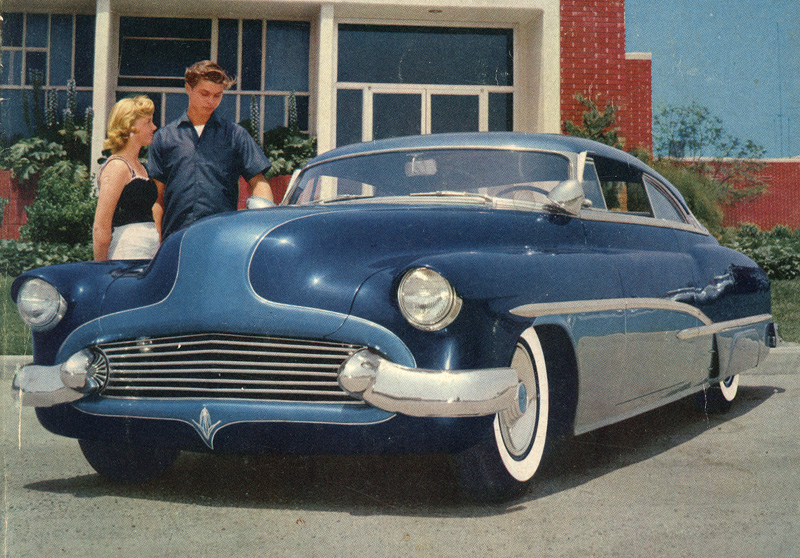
(483, 295)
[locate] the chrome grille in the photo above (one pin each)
(224, 366)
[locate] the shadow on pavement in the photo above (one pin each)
(409, 485)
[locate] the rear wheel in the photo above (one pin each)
(501, 467)
(718, 398)
(127, 464)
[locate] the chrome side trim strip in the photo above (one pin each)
(719, 327)
(608, 305)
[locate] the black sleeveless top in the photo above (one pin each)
(135, 204)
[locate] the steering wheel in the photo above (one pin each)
(520, 188)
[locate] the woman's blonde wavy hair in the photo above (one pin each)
(122, 118)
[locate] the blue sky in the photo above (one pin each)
(739, 58)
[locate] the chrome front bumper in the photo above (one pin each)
(431, 393)
(366, 375)
(44, 386)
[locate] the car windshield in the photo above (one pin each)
(454, 174)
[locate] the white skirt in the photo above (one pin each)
(136, 241)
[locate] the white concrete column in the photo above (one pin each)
(105, 55)
(325, 82)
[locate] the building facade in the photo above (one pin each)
(354, 70)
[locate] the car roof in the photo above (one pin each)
(495, 140)
(492, 140)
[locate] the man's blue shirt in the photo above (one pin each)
(202, 173)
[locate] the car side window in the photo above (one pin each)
(591, 186)
(623, 187)
(663, 207)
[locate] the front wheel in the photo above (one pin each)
(501, 467)
(718, 398)
(127, 464)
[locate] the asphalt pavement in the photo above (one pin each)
(673, 482)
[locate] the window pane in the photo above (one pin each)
(12, 114)
(501, 112)
(12, 68)
(84, 55)
(251, 55)
(35, 63)
(434, 55)
(274, 112)
(228, 51)
(302, 111)
(60, 49)
(348, 116)
(36, 31)
(12, 30)
(287, 56)
(454, 113)
(162, 46)
(662, 207)
(396, 114)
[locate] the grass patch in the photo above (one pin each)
(786, 308)
(15, 336)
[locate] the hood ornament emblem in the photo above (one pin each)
(206, 428)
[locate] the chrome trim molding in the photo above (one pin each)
(605, 305)
(719, 327)
(430, 393)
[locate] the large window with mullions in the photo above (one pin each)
(398, 80)
(268, 59)
(43, 49)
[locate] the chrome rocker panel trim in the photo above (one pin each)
(431, 393)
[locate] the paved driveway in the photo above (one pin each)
(671, 483)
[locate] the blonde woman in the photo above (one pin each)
(124, 224)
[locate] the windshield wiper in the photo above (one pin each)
(343, 197)
(454, 193)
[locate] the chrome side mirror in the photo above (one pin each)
(568, 195)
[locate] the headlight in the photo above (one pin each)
(427, 300)
(40, 304)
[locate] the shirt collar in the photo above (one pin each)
(184, 119)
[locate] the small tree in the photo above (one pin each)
(596, 125)
(698, 138)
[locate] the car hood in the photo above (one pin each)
(321, 258)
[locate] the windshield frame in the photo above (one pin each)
(451, 196)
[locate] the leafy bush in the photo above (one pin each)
(288, 149)
(776, 251)
(63, 211)
(18, 256)
(27, 158)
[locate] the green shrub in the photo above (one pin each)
(19, 255)
(27, 158)
(63, 211)
(776, 251)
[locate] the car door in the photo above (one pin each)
(637, 230)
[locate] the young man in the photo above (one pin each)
(196, 160)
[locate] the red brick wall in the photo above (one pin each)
(593, 63)
(14, 215)
(780, 205)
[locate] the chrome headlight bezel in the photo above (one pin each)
(427, 300)
(40, 305)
